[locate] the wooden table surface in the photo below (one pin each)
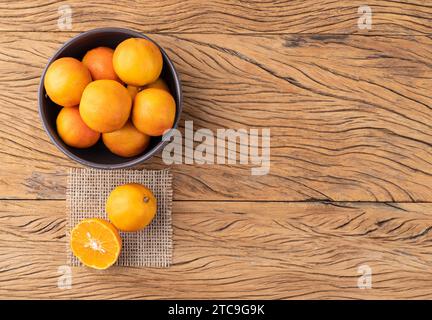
(350, 113)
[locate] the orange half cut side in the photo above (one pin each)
(96, 243)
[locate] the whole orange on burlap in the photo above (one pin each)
(137, 61)
(99, 61)
(154, 111)
(65, 81)
(73, 131)
(105, 105)
(96, 243)
(131, 207)
(127, 141)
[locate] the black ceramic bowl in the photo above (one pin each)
(99, 156)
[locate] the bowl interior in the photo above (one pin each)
(99, 156)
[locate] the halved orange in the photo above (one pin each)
(96, 243)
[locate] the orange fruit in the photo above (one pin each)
(137, 61)
(99, 61)
(65, 81)
(96, 243)
(158, 84)
(105, 105)
(133, 90)
(131, 207)
(153, 111)
(73, 131)
(127, 141)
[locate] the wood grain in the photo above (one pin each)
(235, 250)
(350, 118)
(223, 16)
(349, 115)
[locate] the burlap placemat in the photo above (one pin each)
(87, 191)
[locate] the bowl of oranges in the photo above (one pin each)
(108, 97)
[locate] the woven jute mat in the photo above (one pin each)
(87, 191)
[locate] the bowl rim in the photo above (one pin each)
(128, 163)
